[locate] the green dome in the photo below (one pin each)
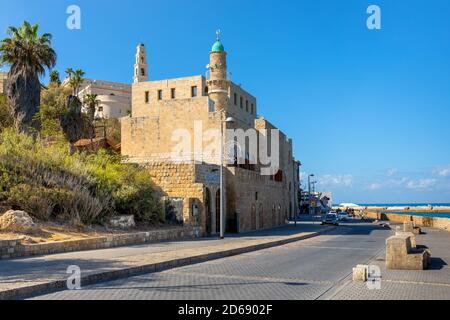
(218, 47)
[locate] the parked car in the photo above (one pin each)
(330, 218)
(343, 216)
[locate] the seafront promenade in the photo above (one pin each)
(23, 277)
(307, 261)
(318, 268)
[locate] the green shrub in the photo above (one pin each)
(6, 120)
(50, 183)
(129, 185)
(34, 199)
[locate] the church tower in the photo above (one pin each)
(218, 83)
(141, 66)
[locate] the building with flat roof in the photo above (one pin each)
(175, 131)
(114, 98)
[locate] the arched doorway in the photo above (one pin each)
(218, 211)
(261, 217)
(208, 215)
(253, 218)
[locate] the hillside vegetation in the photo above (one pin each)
(46, 180)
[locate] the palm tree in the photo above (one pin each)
(28, 54)
(54, 78)
(75, 79)
(91, 102)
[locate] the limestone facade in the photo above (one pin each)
(175, 131)
(141, 66)
(114, 97)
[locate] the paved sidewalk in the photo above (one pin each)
(28, 276)
(431, 284)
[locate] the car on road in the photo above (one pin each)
(331, 218)
(343, 216)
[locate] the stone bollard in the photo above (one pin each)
(408, 226)
(411, 235)
(360, 273)
(400, 255)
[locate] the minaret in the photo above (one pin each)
(218, 83)
(141, 66)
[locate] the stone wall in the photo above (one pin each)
(431, 222)
(175, 180)
(161, 124)
(154, 106)
(14, 249)
(169, 130)
(255, 200)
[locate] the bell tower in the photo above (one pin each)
(218, 83)
(141, 66)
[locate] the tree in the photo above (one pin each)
(28, 54)
(53, 107)
(91, 102)
(74, 123)
(75, 79)
(54, 78)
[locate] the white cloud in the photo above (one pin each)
(336, 180)
(444, 172)
(375, 186)
(404, 182)
(421, 184)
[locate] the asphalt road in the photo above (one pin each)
(310, 269)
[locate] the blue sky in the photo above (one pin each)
(368, 110)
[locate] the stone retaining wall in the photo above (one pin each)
(14, 249)
(431, 222)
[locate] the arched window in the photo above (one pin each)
(142, 72)
(279, 176)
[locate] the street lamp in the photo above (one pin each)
(314, 186)
(222, 178)
(309, 191)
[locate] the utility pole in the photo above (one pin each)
(309, 192)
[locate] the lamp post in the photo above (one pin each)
(309, 192)
(314, 186)
(222, 177)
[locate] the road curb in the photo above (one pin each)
(60, 285)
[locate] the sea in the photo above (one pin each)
(412, 205)
(404, 204)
